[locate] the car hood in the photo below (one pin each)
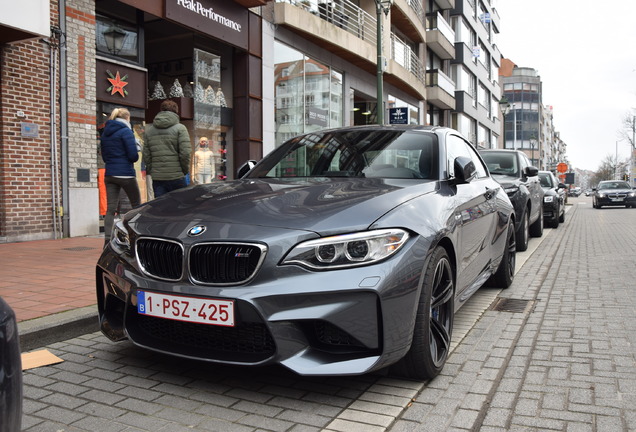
(613, 191)
(506, 180)
(322, 205)
(550, 191)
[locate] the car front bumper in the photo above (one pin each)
(340, 322)
(616, 200)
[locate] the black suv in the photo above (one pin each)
(520, 180)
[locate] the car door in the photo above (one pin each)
(475, 214)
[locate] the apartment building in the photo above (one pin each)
(529, 124)
(475, 72)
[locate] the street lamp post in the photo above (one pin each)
(632, 149)
(514, 130)
(380, 6)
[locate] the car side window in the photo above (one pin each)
(455, 147)
(482, 171)
(523, 163)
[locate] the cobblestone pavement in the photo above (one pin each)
(560, 355)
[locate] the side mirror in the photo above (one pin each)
(245, 168)
(532, 171)
(465, 170)
(562, 186)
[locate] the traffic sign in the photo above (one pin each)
(562, 167)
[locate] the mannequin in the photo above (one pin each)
(204, 162)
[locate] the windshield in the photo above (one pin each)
(546, 180)
(354, 153)
(614, 185)
(501, 163)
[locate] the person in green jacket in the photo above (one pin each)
(166, 151)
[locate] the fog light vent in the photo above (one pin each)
(512, 305)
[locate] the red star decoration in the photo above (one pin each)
(117, 85)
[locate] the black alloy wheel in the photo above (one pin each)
(505, 273)
(554, 221)
(433, 323)
(536, 229)
(523, 234)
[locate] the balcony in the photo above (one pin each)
(403, 55)
(252, 3)
(440, 89)
(446, 4)
(440, 37)
(338, 27)
(408, 16)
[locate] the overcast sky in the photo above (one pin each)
(585, 54)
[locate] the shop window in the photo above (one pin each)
(212, 115)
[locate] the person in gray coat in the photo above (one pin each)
(167, 149)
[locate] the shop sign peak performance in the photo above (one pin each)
(208, 13)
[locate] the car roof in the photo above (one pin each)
(500, 150)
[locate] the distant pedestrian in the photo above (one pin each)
(167, 149)
(119, 151)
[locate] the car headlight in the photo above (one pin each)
(631, 194)
(347, 250)
(119, 237)
(548, 199)
(601, 195)
(511, 190)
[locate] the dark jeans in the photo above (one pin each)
(113, 186)
(160, 187)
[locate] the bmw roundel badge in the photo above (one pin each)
(196, 230)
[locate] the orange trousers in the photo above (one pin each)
(101, 186)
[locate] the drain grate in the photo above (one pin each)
(79, 248)
(512, 305)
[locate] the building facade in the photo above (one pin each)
(246, 74)
(62, 73)
(529, 124)
(320, 64)
(475, 71)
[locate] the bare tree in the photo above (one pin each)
(628, 131)
(610, 168)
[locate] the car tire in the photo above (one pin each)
(505, 273)
(433, 323)
(523, 233)
(562, 215)
(554, 222)
(536, 229)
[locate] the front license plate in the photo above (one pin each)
(617, 199)
(190, 309)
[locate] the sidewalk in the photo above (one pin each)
(50, 283)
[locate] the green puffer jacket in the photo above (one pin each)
(167, 147)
